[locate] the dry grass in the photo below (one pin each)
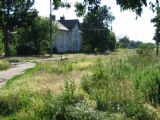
(51, 76)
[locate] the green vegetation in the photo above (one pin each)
(34, 39)
(119, 86)
(137, 6)
(96, 34)
(18, 13)
(125, 42)
(4, 65)
(1, 43)
(157, 25)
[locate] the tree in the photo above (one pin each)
(34, 39)
(112, 41)
(60, 3)
(134, 5)
(156, 20)
(1, 43)
(95, 29)
(13, 14)
(124, 42)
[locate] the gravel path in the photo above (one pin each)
(17, 69)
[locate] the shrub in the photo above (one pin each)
(3, 65)
(13, 102)
(34, 39)
(108, 84)
(145, 49)
(13, 50)
(148, 81)
(137, 111)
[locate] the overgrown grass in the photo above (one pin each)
(125, 86)
(88, 87)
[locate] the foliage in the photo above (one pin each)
(60, 3)
(34, 39)
(137, 111)
(96, 34)
(111, 82)
(3, 65)
(148, 81)
(157, 31)
(145, 49)
(80, 9)
(14, 14)
(112, 41)
(136, 6)
(82, 6)
(116, 88)
(124, 42)
(1, 43)
(112, 87)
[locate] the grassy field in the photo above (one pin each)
(118, 86)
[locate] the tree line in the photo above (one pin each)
(125, 42)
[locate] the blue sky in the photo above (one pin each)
(124, 24)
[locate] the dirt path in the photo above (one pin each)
(17, 69)
(20, 67)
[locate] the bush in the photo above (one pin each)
(13, 50)
(148, 81)
(108, 83)
(145, 49)
(13, 102)
(3, 65)
(137, 111)
(56, 107)
(34, 39)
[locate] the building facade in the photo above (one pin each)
(68, 38)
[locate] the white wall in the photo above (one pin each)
(61, 41)
(68, 40)
(76, 41)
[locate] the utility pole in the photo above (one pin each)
(51, 27)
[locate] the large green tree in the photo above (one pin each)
(95, 29)
(124, 42)
(156, 21)
(34, 39)
(13, 14)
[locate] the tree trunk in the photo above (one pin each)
(157, 50)
(6, 43)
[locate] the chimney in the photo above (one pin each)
(62, 18)
(53, 17)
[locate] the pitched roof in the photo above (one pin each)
(70, 24)
(60, 26)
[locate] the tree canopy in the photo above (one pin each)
(156, 22)
(95, 29)
(34, 39)
(13, 14)
(134, 5)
